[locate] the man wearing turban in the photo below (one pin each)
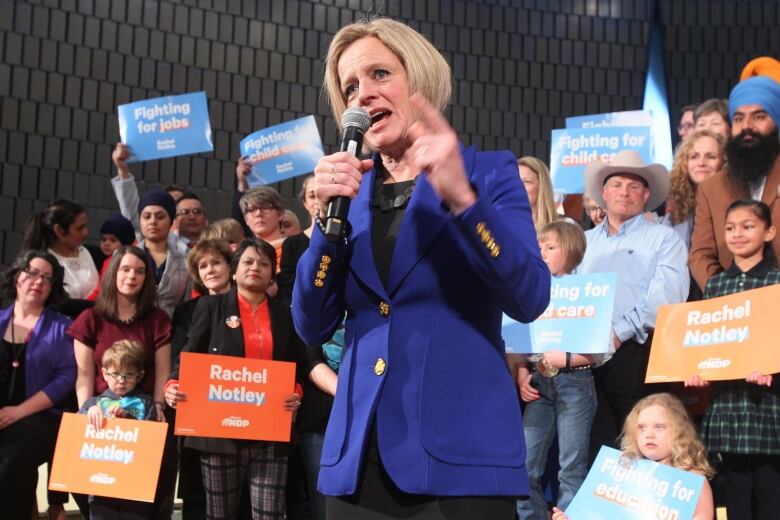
(753, 167)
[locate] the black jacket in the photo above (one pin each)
(209, 334)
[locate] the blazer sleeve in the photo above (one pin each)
(498, 238)
(318, 311)
(199, 335)
(703, 257)
(63, 363)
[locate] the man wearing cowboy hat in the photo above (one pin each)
(753, 158)
(649, 260)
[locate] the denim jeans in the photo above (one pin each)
(311, 451)
(566, 406)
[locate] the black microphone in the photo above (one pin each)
(355, 122)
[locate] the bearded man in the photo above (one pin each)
(753, 171)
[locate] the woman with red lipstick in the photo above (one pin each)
(125, 309)
(426, 421)
(37, 372)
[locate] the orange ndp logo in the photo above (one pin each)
(235, 398)
(121, 460)
(719, 339)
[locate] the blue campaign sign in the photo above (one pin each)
(573, 148)
(578, 318)
(166, 127)
(621, 489)
(610, 119)
(283, 151)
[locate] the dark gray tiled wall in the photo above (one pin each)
(520, 67)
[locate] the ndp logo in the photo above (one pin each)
(235, 422)
(102, 478)
(714, 363)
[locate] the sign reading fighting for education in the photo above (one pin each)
(573, 148)
(283, 151)
(578, 318)
(620, 489)
(719, 339)
(166, 126)
(234, 397)
(120, 460)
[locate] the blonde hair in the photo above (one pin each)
(125, 353)
(682, 190)
(570, 237)
(426, 69)
(545, 202)
(225, 229)
(688, 452)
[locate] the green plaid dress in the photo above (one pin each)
(743, 418)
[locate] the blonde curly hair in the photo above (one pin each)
(688, 452)
(682, 190)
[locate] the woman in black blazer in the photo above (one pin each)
(243, 322)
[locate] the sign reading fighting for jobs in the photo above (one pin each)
(166, 126)
(719, 339)
(120, 460)
(234, 397)
(578, 318)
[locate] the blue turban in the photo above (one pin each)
(158, 197)
(758, 90)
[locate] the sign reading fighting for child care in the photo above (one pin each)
(166, 127)
(573, 148)
(282, 151)
(617, 488)
(610, 119)
(719, 339)
(234, 397)
(120, 460)
(578, 318)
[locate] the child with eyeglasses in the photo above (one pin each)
(123, 369)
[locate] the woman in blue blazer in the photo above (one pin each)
(426, 420)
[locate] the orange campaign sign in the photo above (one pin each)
(719, 339)
(234, 397)
(120, 460)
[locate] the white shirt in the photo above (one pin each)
(81, 276)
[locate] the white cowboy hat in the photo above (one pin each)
(627, 161)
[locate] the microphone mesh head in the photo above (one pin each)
(357, 117)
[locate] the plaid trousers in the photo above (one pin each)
(224, 476)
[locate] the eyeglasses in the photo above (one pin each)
(195, 212)
(685, 126)
(35, 274)
(260, 208)
(130, 377)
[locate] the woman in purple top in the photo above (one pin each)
(37, 374)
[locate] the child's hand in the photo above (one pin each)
(555, 358)
(558, 514)
(757, 378)
(527, 392)
(95, 416)
(696, 381)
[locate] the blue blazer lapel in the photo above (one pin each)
(362, 264)
(425, 218)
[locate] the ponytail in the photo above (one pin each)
(40, 233)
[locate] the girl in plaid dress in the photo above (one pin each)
(742, 422)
